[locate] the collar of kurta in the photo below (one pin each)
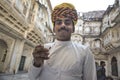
(57, 42)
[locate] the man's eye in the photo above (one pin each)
(68, 22)
(58, 22)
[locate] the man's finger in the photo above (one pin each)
(42, 54)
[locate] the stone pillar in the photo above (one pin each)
(109, 65)
(28, 53)
(17, 52)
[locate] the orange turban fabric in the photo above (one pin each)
(66, 10)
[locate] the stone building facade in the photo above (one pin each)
(23, 25)
(110, 36)
(100, 30)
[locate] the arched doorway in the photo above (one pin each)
(114, 66)
(3, 53)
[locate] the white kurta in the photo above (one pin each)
(68, 61)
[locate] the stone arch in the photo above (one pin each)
(97, 42)
(3, 53)
(114, 66)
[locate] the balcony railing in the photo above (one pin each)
(112, 44)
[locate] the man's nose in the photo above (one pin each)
(63, 23)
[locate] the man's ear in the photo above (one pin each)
(73, 28)
(53, 27)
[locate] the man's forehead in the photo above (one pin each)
(63, 18)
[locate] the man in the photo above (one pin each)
(101, 71)
(66, 60)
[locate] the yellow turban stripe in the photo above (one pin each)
(66, 10)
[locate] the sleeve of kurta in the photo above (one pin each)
(34, 72)
(89, 72)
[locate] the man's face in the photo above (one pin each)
(63, 28)
(103, 64)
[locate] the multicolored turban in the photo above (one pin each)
(66, 10)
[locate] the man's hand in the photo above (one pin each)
(40, 54)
